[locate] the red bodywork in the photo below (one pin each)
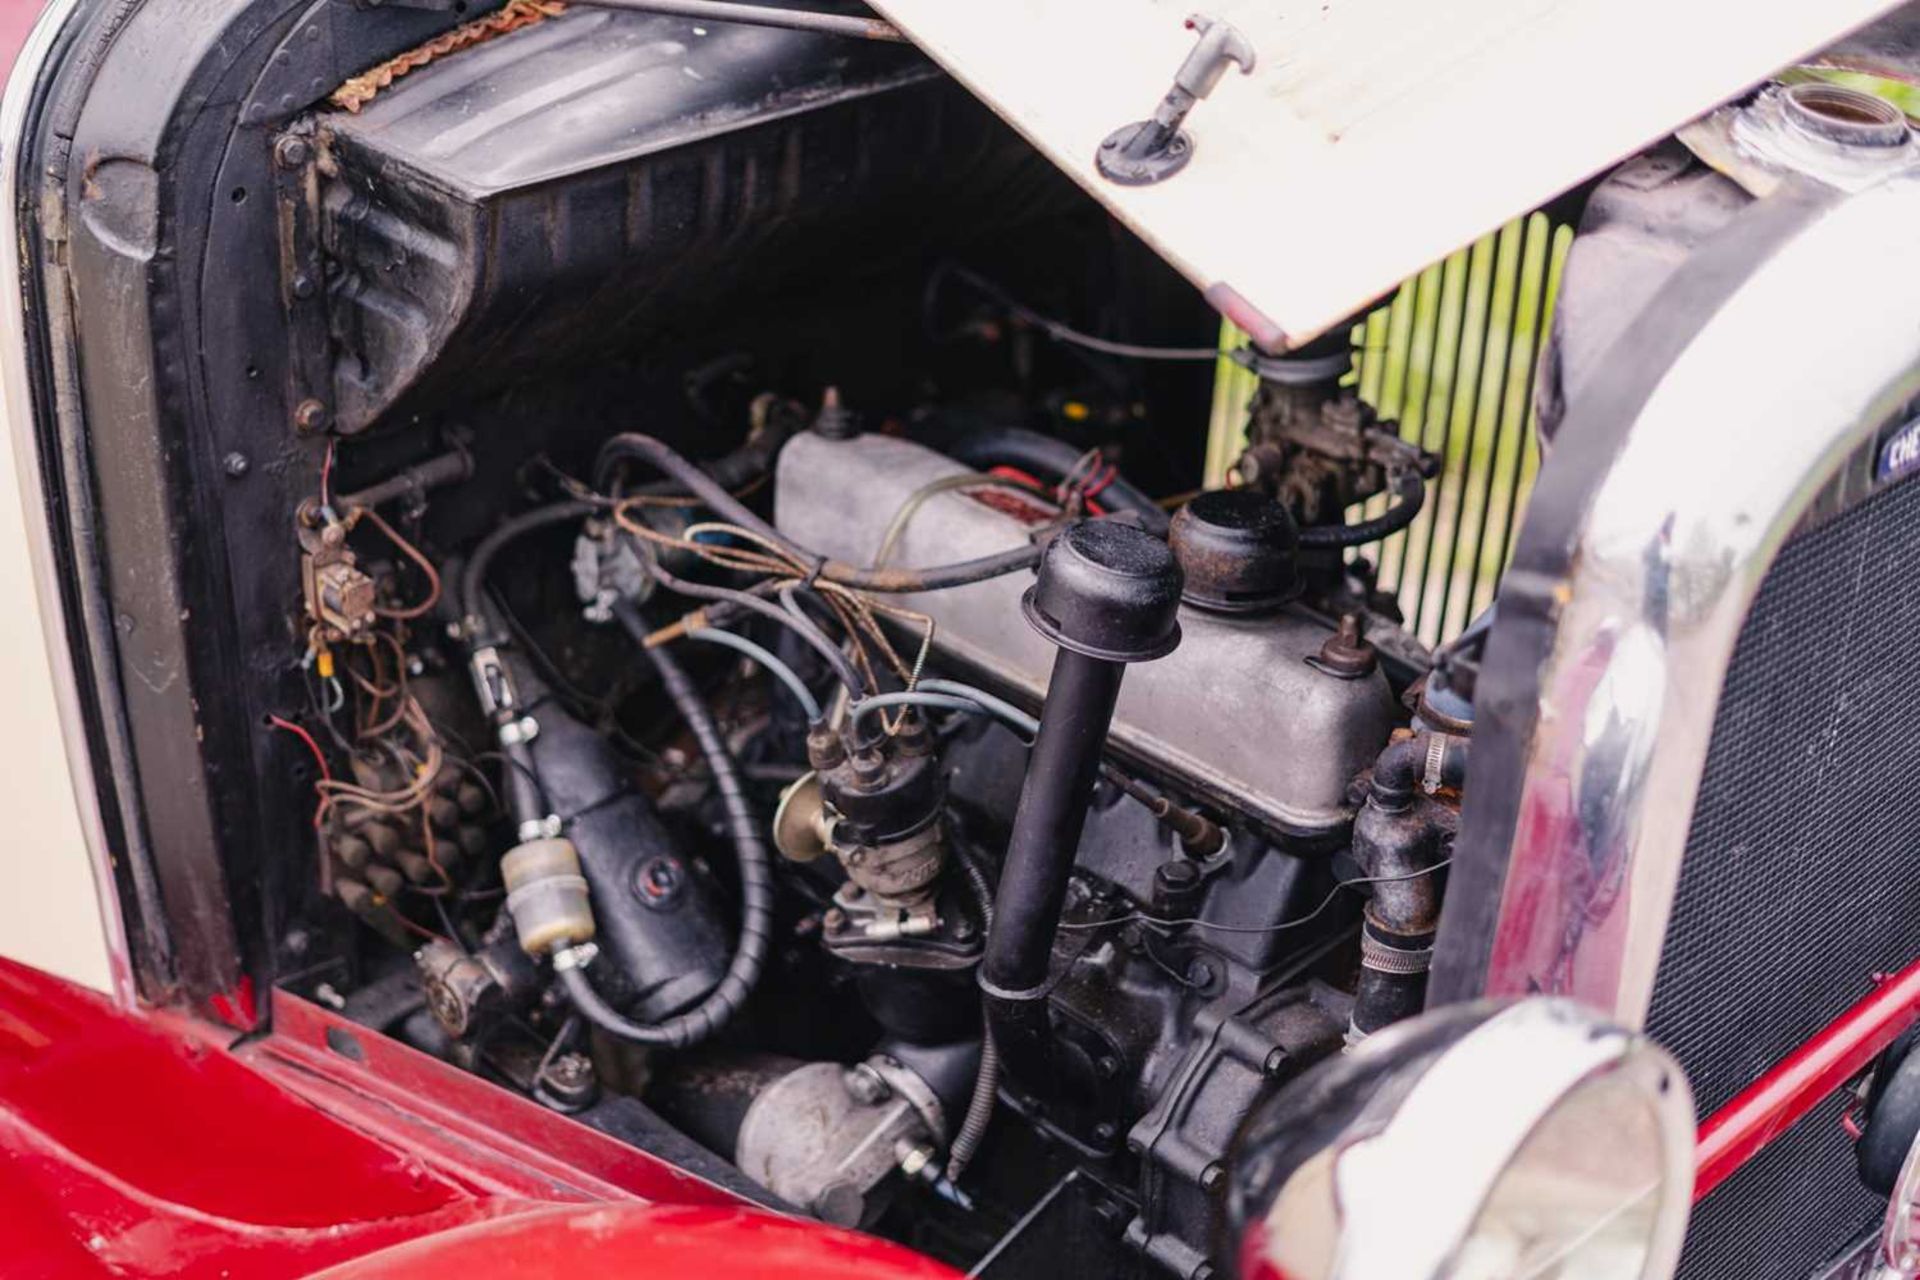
(145, 1145)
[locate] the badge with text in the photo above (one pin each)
(1900, 454)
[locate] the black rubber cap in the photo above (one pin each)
(1239, 550)
(1109, 591)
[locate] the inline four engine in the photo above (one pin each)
(1093, 827)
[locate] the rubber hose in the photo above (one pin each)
(779, 670)
(756, 881)
(1410, 492)
(986, 1082)
(473, 577)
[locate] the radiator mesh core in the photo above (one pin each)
(1799, 881)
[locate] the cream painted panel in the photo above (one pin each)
(53, 915)
(1373, 137)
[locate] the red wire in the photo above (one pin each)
(1015, 473)
(318, 756)
(326, 474)
(1113, 472)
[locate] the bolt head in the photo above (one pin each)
(310, 415)
(291, 152)
(865, 1086)
(1213, 1177)
(235, 464)
(570, 1069)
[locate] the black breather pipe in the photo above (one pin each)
(1046, 827)
(1107, 595)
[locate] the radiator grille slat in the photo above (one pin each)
(1799, 881)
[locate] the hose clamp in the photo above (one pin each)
(515, 732)
(1436, 762)
(1024, 996)
(1381, 958)
(490, 681)
(578, 956)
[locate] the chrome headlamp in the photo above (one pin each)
(1529, 1141)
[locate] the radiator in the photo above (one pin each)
(1799, 879)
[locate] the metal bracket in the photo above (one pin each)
(491, 681)
(1154, 149)
(303, 280)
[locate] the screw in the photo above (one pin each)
(291, 152)
(303, 286)
(1276, 1062)
(1108, 1066)
(1200, 974)
(235, 464)
(1103, 1132)
(310, 415)
(1213, 1177)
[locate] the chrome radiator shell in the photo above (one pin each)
(1236, 711)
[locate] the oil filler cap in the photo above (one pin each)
(1239, 550)
(1108, 591)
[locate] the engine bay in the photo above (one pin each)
(742, 646)
(630, 569)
